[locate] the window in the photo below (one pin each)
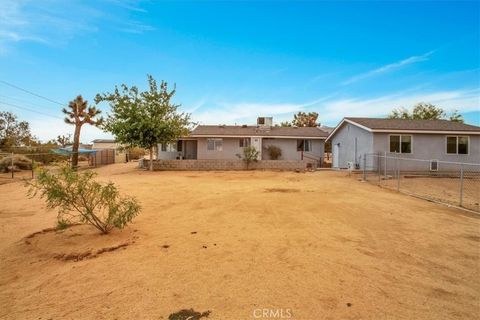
(400, 144)
(304, 145)
(214, 144)
(244, 142)
(168, 147)
(179, 145)
(457, 144)
(406, 144)
(394, 143)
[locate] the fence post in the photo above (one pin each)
(379, 169)
(11, 163)
(364, 166)
(385, 169)
(33, 174)
(398, 174)
(461, 185)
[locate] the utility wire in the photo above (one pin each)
(24, 102)
(28, 109)
(30, 92)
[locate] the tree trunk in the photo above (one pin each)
(76, 142)
(151, 159)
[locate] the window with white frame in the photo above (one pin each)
(215, 144)
(304, 145)
(167, 147)
(457, 144)
(244, 142)
(400, 143)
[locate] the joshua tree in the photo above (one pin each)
(64, 140)
(78, 114)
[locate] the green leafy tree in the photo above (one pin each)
(144, 119)
(78, 114)
(14, 132)
(81, 199)
(303, 119)
(456, 117)
(400, 113)
(285, 124)
(421, 111)
(425, 111)
(249, 155)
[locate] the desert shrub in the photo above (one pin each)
(81, 199)
(62, 224)
(136, 153)
(19, 161)
(274, 152)
(249, 155)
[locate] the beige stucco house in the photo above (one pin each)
(225, 142)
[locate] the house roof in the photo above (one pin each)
(402, 124)
(246, 131)
(104, 141)
(409, 126)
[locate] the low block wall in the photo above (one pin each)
(206, 165)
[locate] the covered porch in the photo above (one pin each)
(183, 149)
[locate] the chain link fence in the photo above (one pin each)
(18, 166)
(452, 183)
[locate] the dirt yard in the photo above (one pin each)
(311, 245)
(445, 190)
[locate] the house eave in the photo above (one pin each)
(256, 136)
(399, 130)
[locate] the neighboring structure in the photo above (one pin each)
(439, 140)
(222, 142)
(109, 151)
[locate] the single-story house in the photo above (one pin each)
(114, 152)
(433, 140)
(225, 142)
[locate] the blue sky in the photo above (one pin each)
(234, 60)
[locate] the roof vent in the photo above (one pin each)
(244, 125)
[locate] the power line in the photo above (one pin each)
(30, 92)
(24, 102)
(28, 109)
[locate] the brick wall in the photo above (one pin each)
(205, 165)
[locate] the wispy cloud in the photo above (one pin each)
(388, 68)
(246, 112)
(51, 21)
(462, 100)
(332, 109)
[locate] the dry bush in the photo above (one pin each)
(19, 162)
(274, 152)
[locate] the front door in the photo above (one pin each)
(257, 144)
(190, 149)
(335, 155)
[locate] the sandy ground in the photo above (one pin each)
(446, 190)
(317, 245)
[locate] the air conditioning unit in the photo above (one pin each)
(433, 165)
